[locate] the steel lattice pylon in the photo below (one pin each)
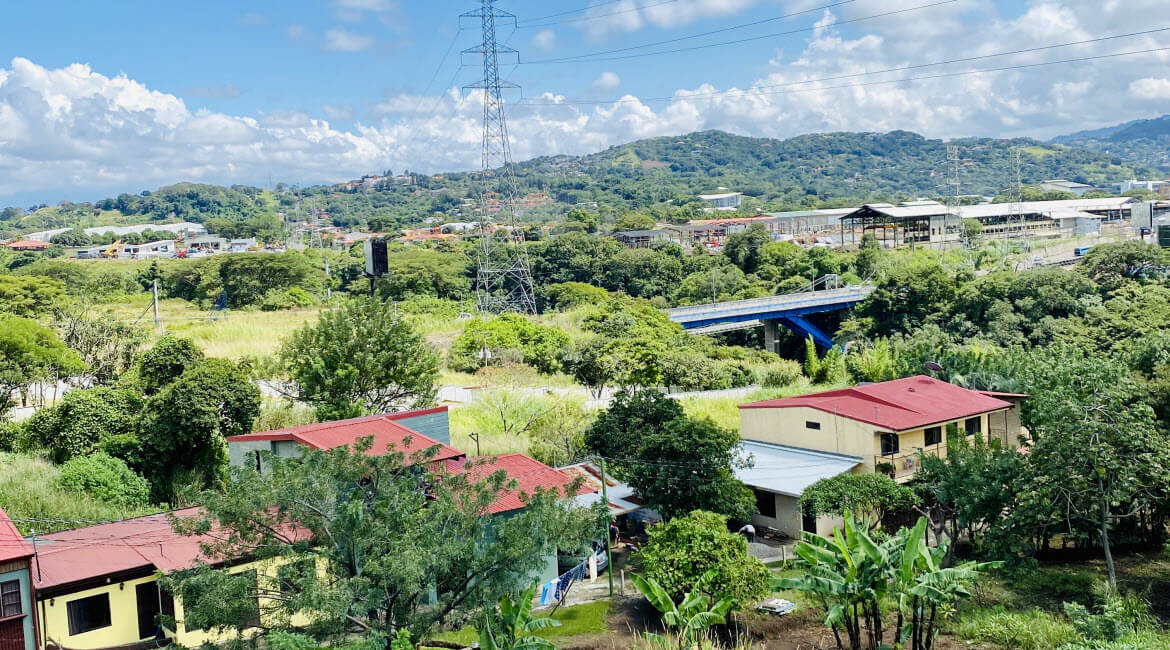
(503, 278)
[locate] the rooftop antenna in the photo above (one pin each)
(503, 279)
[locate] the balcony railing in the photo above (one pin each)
(903, 465)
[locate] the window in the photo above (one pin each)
(10, 599)
(973, 425)
(87, 614)
(933, 436)
(815, 426)
(257, 454)
(766, 503)
(889, 444)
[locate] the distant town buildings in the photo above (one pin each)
(1061, 185)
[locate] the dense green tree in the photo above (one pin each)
(1013, 308)
(566, 295)
(696, 553)
(361, 357)
(509, 337)
(632, 415)
(1111, 265)
(400, 548)
(873, 495)
(416, 271)
(183, 427)
(743, 247)
(29, 295)
(30, 352)
(83, 420)
(168, 358)
(688, 464)
(248, 277)
(909, 294)
(1097, 455)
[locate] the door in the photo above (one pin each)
(151, 603)
(12, 634)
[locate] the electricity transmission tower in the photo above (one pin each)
(503, 279)
(952, 222)
(1017, 195)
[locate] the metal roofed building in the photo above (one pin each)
(17, 614)
(780, 474)
(1061, 185)
(720, 201)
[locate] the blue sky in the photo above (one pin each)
(102, 97)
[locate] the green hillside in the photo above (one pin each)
(1140, 142)
(658, 176)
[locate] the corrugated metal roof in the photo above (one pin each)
(383, 427)
(12, 545)
(528, 473)
(621, 495)
(789, 470)
(896, 405)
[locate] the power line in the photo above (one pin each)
(754, 93)
(570, 11)
(702, 34)
(597, 16)
(737, 41)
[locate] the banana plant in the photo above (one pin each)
(510, 625)
(689, 619)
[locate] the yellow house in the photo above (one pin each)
(97, 587)
(884, 427)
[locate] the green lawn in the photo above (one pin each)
(576, 620)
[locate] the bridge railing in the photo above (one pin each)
(784, 301)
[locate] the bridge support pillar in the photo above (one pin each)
(771, 333)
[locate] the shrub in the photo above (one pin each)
(290, 298)
(538, 345)
(82, 420)
(696, 553)
(783, 373)
(105, 478)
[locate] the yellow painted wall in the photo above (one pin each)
(123, 628)
(840, 435)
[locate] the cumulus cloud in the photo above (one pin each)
(1150, 88)
(607, 81)
(75, 129)
(341, 40)
(609, 18)
(544, 40)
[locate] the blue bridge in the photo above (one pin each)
(788, 310)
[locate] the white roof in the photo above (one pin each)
(985, 210)
(621, 495)
(789, 470)
(712, 197)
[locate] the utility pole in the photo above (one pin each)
(608, 549)
(328, 280)
(154, 296)
(503, 278)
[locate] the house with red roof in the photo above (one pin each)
(28, 245)
(408, 432)
(97, 586)
(886, 426)
(17, 614)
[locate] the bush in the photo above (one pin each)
(696, 553)
(290, 298)
(783, 373)
(506, 337)
(105, 478)
(82, 420)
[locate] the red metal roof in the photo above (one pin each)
(23, 244)
(141, 543)
(896, 405)
(528, 473)
(12, 545)
(384, 429)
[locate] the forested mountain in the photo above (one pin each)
(656, 176)
(1141, 142)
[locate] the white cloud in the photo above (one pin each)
(365, 5)
(72, 129)
(605, 19)
(295, 31)
(607, 81)
(335, 112)
(1150, 88)
(223, 91)
(341, 40)
(544, 40)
